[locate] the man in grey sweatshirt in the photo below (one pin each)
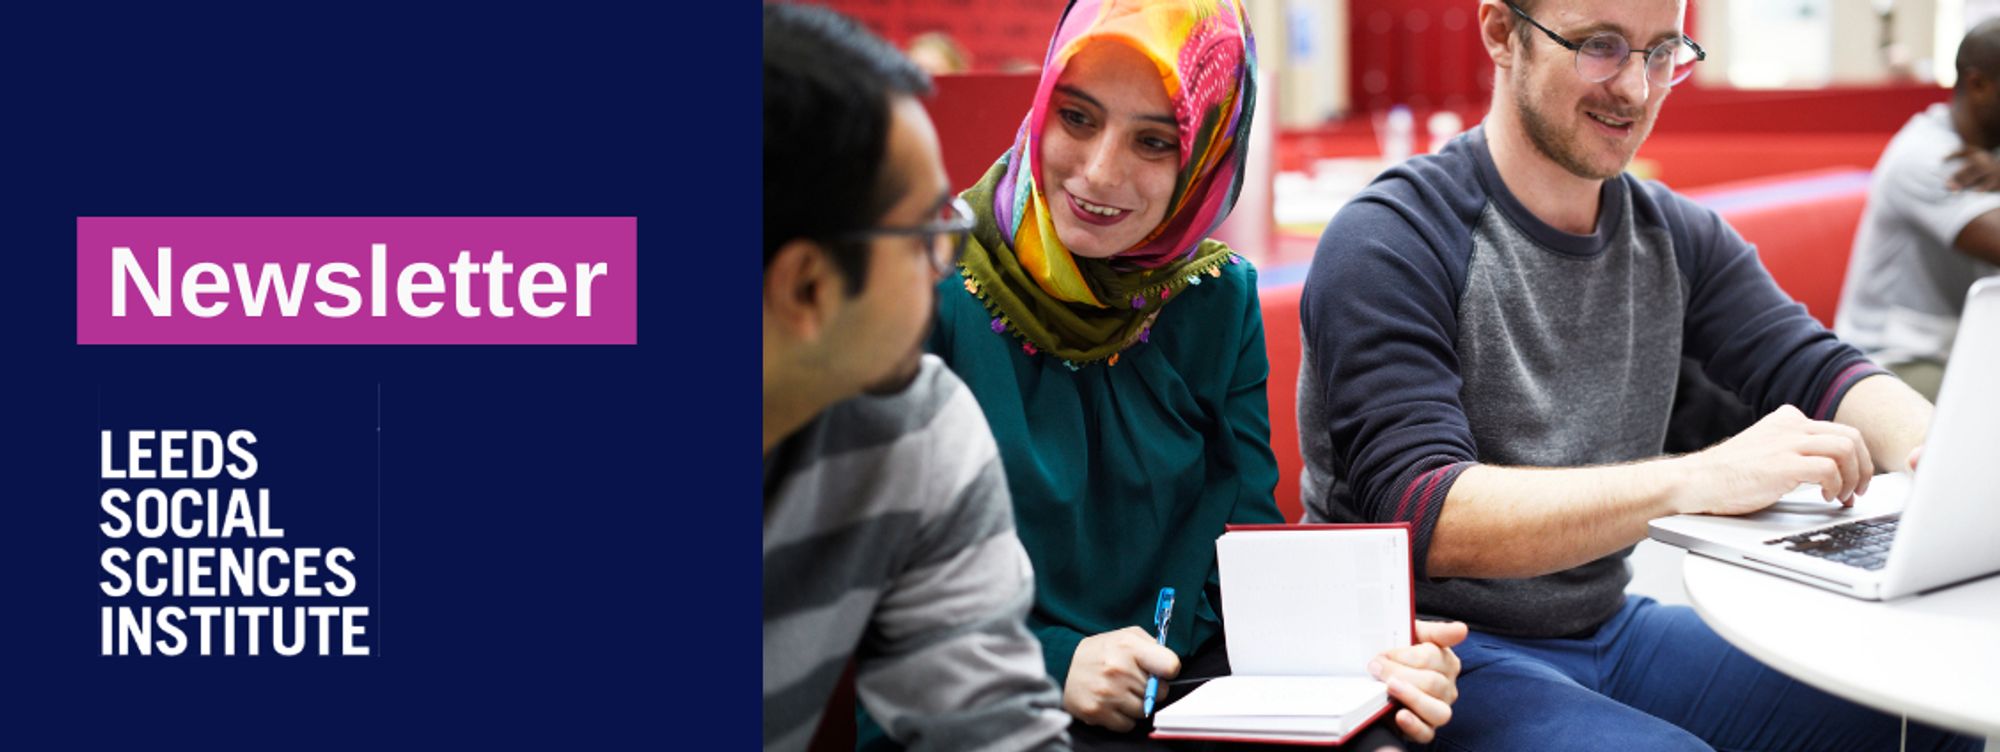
(1492, 340)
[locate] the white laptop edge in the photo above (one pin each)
(1953, 506)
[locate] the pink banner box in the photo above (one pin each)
(357, 280)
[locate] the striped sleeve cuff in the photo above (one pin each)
(1836, 389)
(1418, 496)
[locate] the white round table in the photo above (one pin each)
(1933, 657)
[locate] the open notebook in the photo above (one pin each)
(1305, 607)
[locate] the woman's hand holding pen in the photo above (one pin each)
(1106, 685)
(1424, 677)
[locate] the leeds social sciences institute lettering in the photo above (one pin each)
(181, 551)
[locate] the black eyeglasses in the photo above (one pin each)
(1602, 55)
(944, 238)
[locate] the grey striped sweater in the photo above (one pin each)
(889, 538)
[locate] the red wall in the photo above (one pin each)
(993, 32)
(1422, 53)
(976, 116)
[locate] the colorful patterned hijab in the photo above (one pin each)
(1083, 309)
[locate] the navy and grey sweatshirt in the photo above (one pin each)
(1445, 325)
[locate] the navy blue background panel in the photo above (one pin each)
(557, 544)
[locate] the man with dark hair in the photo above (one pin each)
(888, 534)
(1492, 338)
(1932, 225)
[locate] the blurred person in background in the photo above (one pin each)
(1932, 225)
(938, 54)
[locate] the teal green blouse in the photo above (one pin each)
(1124, 475)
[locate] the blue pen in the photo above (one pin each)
(1163, 612)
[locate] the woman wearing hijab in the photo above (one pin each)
(1119, 355)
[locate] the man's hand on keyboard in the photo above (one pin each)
(1752, 469)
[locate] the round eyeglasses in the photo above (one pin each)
(944, 238)
(1601, 56)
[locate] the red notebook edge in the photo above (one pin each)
(1387, 706)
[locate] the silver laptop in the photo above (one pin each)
(1907, 534)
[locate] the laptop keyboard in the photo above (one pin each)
(1861, 543)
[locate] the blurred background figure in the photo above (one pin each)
(938, 54)
(1932, 226)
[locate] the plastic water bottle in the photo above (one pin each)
(1443, 125)
(1398, 135)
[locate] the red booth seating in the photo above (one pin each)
(1281, 345)
(1704, 136)
(1803, 226)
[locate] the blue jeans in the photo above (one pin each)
(1653, 678)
